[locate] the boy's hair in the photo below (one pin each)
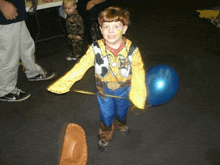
(112, 14)
(66, 1)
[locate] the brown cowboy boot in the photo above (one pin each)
(122, 126)
(105, 135)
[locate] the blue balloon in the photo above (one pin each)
(162, 84)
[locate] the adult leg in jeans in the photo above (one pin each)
(26, 52)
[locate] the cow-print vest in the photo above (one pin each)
(102, 64)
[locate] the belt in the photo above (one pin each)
(115, 85)
(111, 85)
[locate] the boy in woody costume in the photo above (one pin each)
(119, 72)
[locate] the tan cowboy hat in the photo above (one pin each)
(74, 150)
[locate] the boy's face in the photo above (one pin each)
(69, 7)
(112, 32)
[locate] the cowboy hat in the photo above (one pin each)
(74, 150)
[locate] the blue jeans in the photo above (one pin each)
(111, 107)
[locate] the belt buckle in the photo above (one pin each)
(113, 85)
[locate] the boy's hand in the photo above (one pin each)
(57, 88)
(56, 91)
(8, 10)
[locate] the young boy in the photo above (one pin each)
(75, 30)
(119, 72)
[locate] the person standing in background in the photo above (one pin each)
(16, 44)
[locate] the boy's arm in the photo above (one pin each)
(63, 84)
(138, 91)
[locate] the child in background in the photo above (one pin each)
(119, 71)
(75, 30)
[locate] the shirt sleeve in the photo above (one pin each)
(63, 84)
(138, 91)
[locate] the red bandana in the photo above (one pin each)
(115, 51)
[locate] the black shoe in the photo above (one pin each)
(41, 77)
(15, 96)
(102, 146)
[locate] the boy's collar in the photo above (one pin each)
(113, 50)
(123, 41)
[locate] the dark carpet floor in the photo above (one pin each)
(184, 131)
